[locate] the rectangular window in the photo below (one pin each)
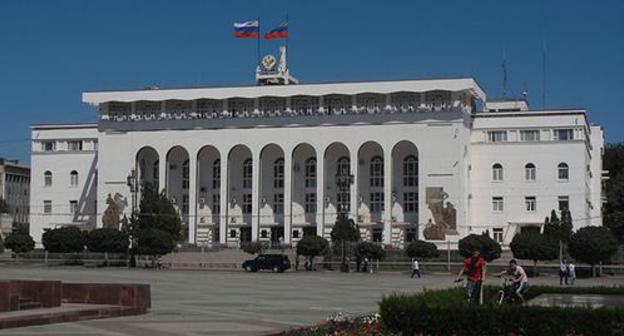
(246, 206)
(564, 134)
(498, 234)
(185, 204)
(74, 145)
(344, 201)
(530, 203)
(49, 146)
(47, 207)
(497, 136)
(376, 202)
(410, 202)
(310, 174)
(310, 202)
(564, 202)
(278, 203)
(73, 207)
(216, 176)
(47, 180)
(529, 135)
(497, 204)
(216, 204)
(278, 175)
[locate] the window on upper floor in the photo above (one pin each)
(497, 204)
(376, 202)
(74, 145)
(377, 172)
(563, 202)
(410, 171)
(278, 174)
(564, 134)
(47, 178)
(410, 202)
(563, 171)
(497, 172)
(278, 203)
(49, 146)
(73, 178)
(529, 135)
(310, 173)
(497, 136)
(47, 207)
(216, 174)
(529, 172)
(247, 171)
(310, 202)
(530, 203)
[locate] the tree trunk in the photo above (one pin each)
(535, 268)
(593, 271)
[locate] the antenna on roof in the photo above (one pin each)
(504, 66)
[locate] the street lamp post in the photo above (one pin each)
(343, 182)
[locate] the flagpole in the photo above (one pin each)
(287, 35)
(258, 44)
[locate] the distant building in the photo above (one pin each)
(15, 190)
(428, 159)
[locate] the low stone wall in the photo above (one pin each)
(48, 293)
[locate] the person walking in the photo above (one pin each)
(563, 272)
(572, 272)
(415, 269)
(474, 267)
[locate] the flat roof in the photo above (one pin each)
(63, 126)
(346, 88)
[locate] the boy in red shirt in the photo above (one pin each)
(474, 268)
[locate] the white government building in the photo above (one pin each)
(428, 159)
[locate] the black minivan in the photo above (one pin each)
(273, 262)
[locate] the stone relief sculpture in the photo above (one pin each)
(112, 217)
(444, 215)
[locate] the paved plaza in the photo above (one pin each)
(233, 303)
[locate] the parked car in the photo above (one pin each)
(273, 262)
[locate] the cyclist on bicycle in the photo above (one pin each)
(519, 278)
(474, 268)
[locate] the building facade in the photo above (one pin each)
(15, 191)
(426, 159)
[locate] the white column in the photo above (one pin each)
(162, 172)
(320, 192)
(255, 193)
(192, 215)
(387, 220)
(224, 198)
(288, 184)
(355, 167)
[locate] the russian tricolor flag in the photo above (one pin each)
(279, 31)
(249, 29)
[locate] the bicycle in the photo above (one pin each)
(507, 294)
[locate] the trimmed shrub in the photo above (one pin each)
(154, 242)
(253, 247)
(19, 243)
(593, 244)
(63, 240)
(369, 250)
(312, 246)
(107, 240)
(532, 245)
(490, 249)
(445, 312)
(421, 249)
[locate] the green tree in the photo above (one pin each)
(593, 244)
(369, 250)
(63, 240)
(559, 229)
(107, 240)
(154, 242)
(421, 249)
(343, 234)
(489, 248)
(532, 245)
(253, 247)
(19, 243)
(312, 246)
(156, 212)
(615, 222)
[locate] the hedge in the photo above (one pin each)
(444, 312)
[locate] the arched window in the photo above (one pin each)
(155, 173)
(73, 178)
(497, 172)
(563, 171)
(247, 169)
(377, 172)
(310, 173)
(216, 174)
(343, 167)
(185, 175)
(410, 171)
(47, 178)
(278, 173)
(529, 172)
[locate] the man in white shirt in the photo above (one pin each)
(519, 278)
(415, 268)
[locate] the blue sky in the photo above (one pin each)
(51, 51)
